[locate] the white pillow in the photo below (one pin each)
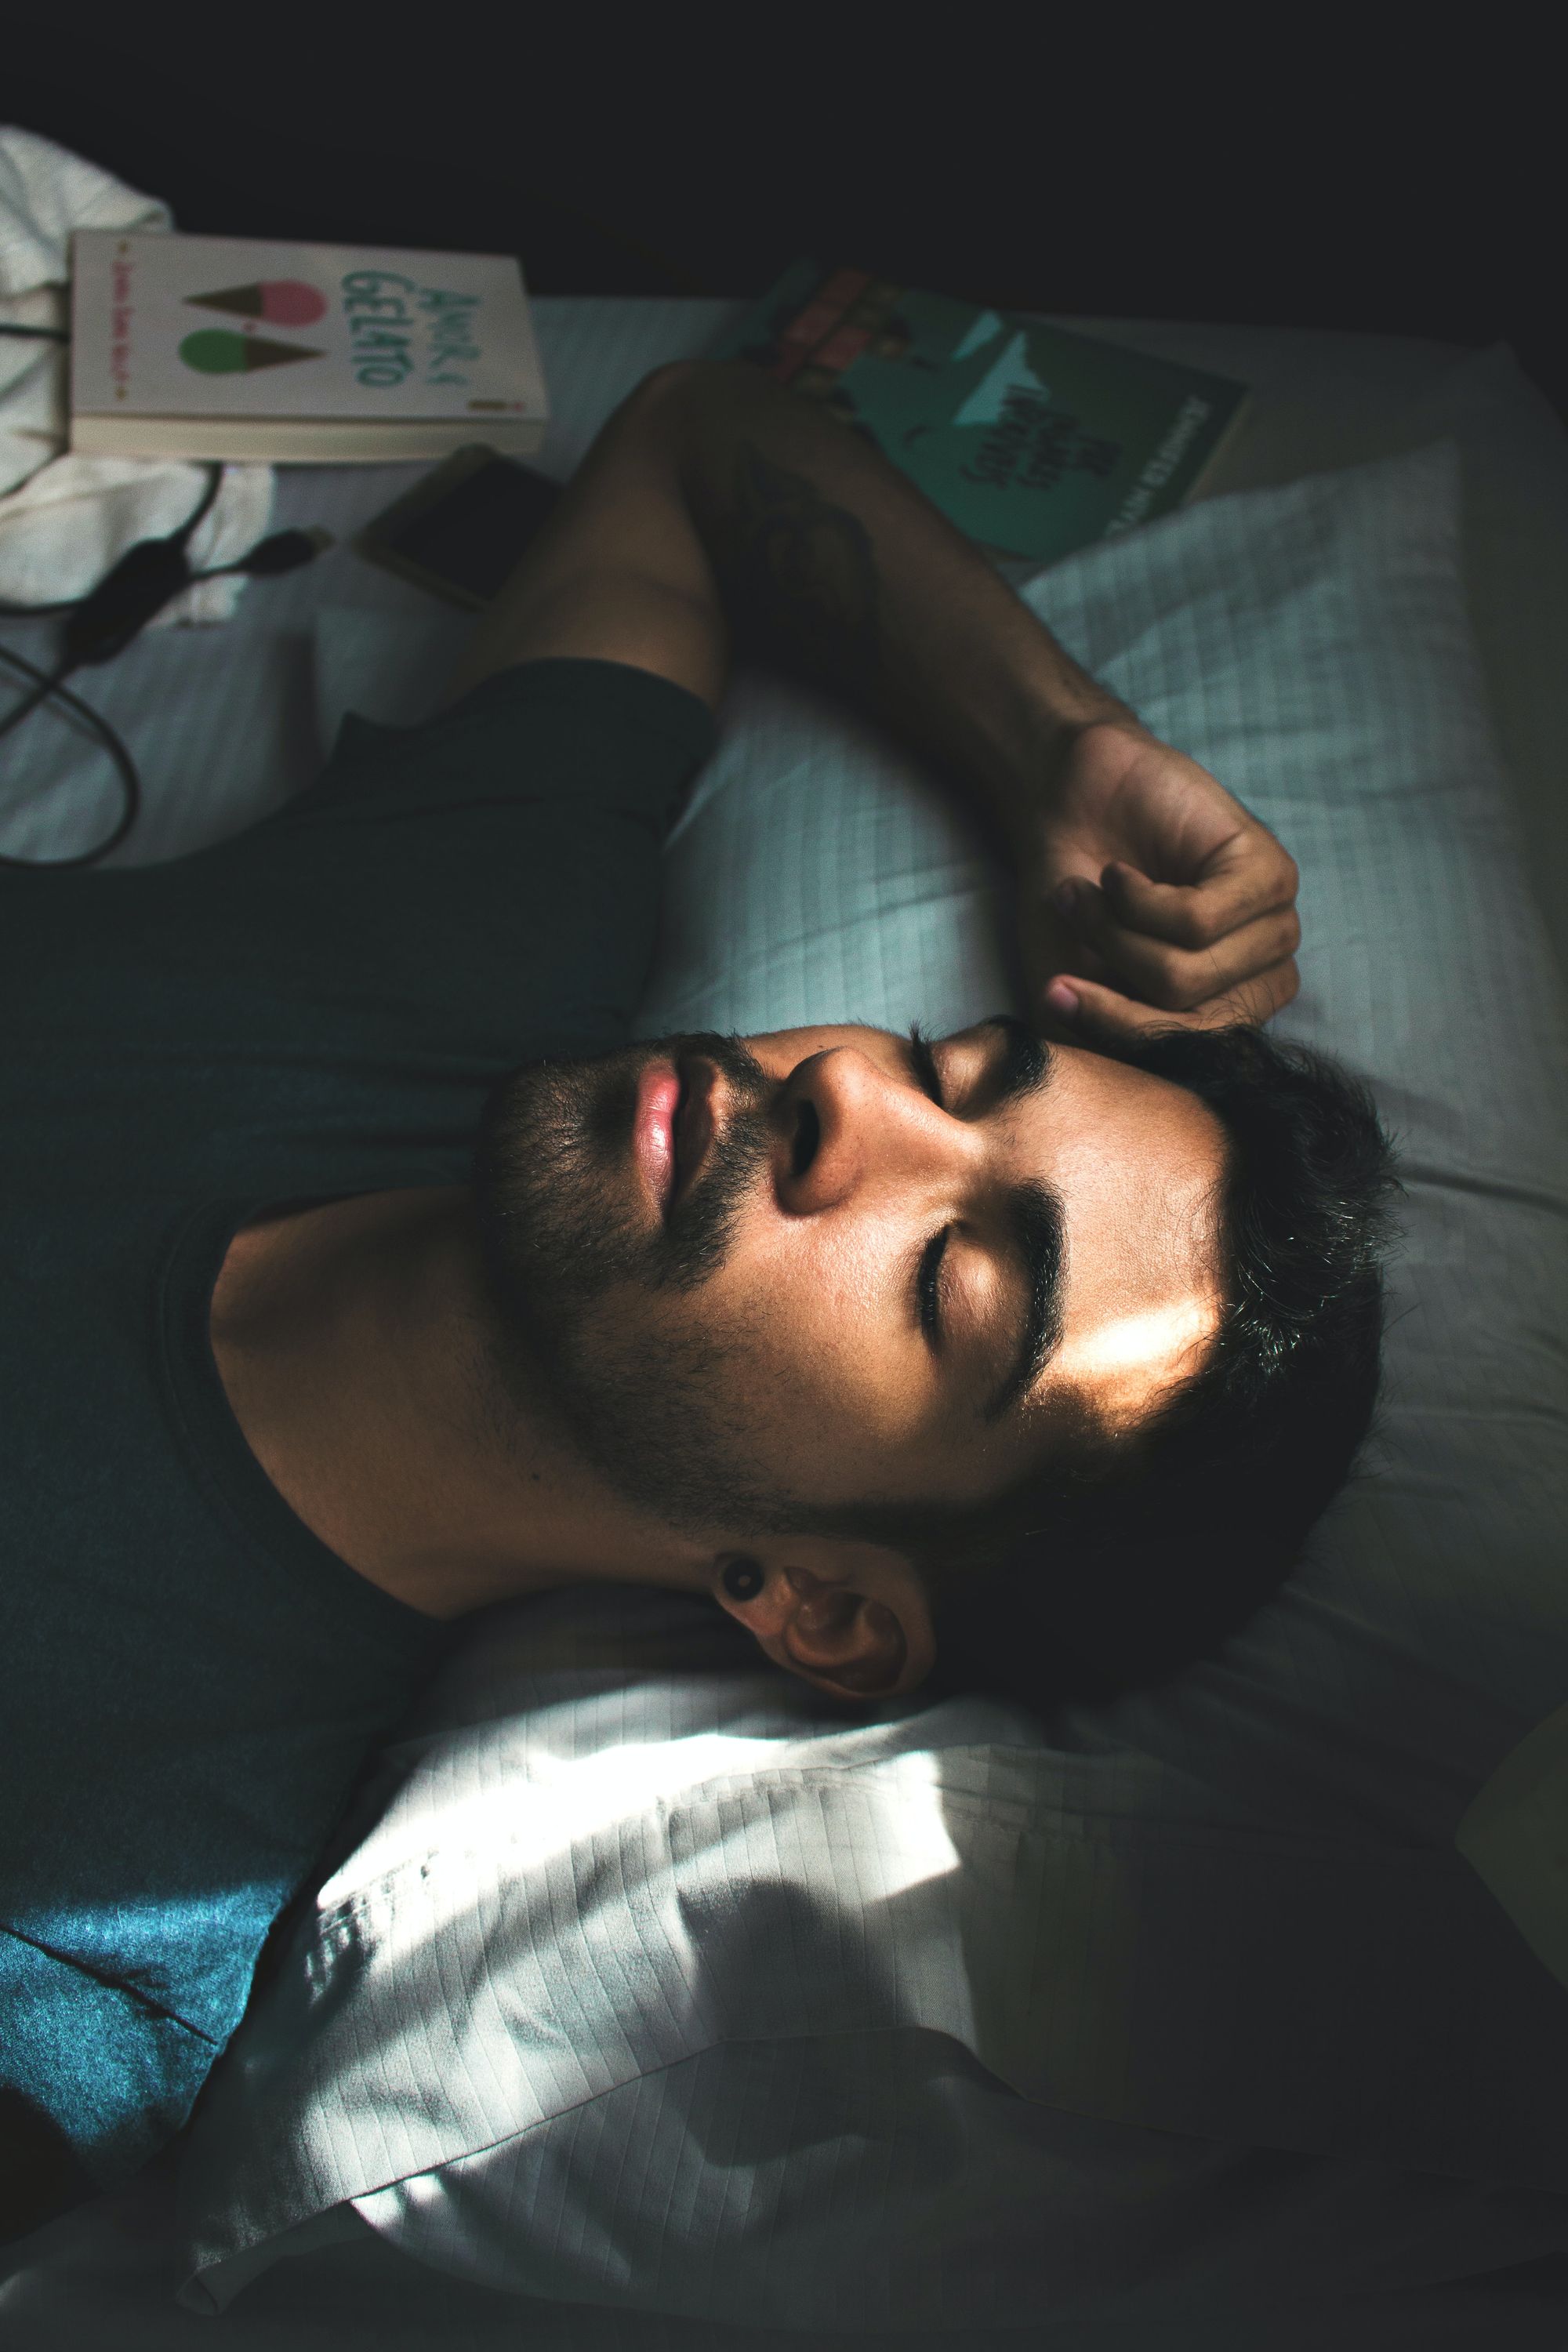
(576, 2016)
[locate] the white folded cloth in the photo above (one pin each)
(65, 520)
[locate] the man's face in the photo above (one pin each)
(838, 1267)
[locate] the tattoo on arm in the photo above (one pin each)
(800, 573)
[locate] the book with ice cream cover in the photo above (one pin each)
(1034, 439)
(242, 348)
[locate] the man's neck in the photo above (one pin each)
(350, 1342)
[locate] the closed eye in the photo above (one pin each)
(926, 1286)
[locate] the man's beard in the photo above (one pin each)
(571, 1272)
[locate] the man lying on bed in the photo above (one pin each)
(989, 1357)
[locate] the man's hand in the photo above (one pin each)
(1148, 897)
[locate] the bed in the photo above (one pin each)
(1337, 2113)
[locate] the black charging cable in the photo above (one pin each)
(102, 623)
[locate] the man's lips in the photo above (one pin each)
(653, 1130)
(696, 1121)
(673, 1126)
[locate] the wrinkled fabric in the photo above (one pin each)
(66, 521)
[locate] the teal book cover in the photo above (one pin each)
(1035, 441)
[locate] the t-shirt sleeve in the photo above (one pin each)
(602, 734)
(484, 884)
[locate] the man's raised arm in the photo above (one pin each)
(1139, 876)
(719, 511)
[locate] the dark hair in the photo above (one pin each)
(1114, 1567)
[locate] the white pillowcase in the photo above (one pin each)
(1233, 1907)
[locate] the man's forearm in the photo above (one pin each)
(831, 562)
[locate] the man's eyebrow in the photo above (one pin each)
(1035, 1213)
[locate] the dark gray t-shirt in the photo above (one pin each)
(190, 1681)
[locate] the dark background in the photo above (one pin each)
(1121, 166)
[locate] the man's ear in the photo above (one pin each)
(850, 1618)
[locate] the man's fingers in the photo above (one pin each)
(1255, 877)
(1087, 1013)
(1179, 978)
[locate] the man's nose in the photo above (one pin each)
(857, 1127)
